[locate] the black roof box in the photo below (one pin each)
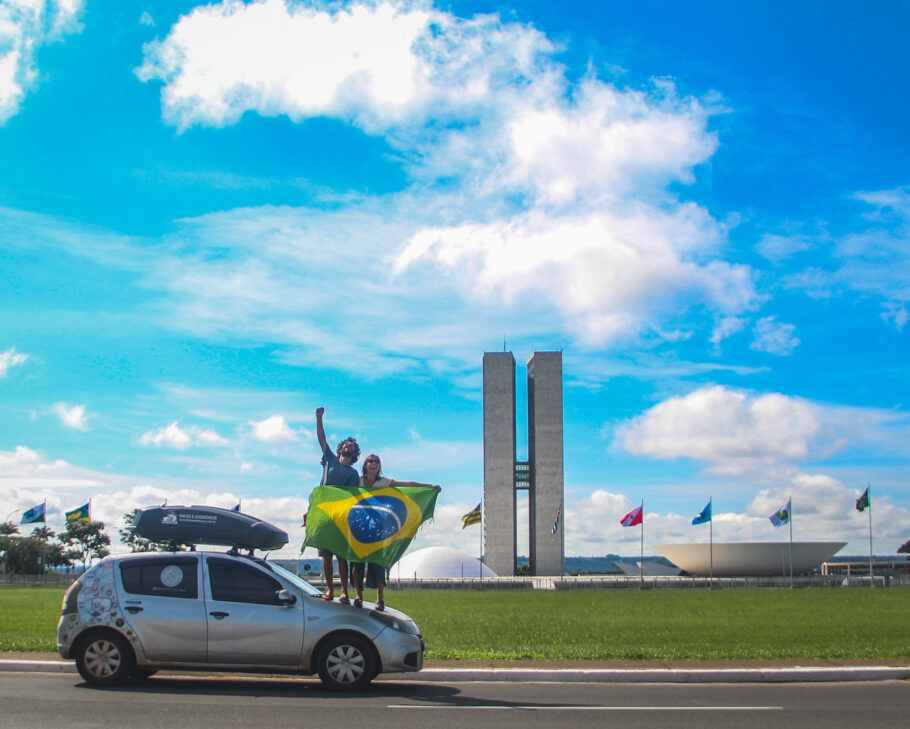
(207, 525)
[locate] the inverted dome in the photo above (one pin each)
(432, 562)
(749, 559)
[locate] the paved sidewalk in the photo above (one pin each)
(585, 671)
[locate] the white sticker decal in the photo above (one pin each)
(171, 576)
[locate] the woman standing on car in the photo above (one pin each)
(372, 478)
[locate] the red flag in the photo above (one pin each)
(633, 517)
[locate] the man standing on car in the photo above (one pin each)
(337, 471)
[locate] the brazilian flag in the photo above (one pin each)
(367, 525)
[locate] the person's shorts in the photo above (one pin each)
(375, 573)
(325, 553)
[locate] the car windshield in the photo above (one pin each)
(288, 575)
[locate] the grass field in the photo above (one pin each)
(599, 624)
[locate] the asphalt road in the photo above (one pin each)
(64, 702)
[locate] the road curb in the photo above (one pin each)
(661, 675)
(589, 675)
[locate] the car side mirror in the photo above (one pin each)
(286, 597)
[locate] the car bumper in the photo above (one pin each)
(400, 652)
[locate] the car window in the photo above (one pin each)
(167, 576)
(236, 582)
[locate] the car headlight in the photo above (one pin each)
(404, 625)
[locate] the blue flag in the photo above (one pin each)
(781, 516)
(34, 515)
(704, 516)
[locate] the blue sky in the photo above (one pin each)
(216, 218)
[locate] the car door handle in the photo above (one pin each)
(218, 615)
(133, 609)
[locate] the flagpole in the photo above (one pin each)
(481, 540)
(871, 572)
(711, 548)
(790, 522)
(641, 551)
(44, 548)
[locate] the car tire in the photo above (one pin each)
(105, 659)
(346, 663)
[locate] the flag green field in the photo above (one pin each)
(818, 623)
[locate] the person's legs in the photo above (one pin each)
(328, 573)
(343, 575)
(380, 590)
(357, 577)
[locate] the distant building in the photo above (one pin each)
(541, 475)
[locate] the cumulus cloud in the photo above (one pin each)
(72, 416)
(173, 436)
(774, 337)
(379, 63)
(25, 25)
(731, 429)
(9, 359)
(272, 430)
(557, 191)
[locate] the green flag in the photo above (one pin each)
(862, 503)
(78, 515)
(367, 525)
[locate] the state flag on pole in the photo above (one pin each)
(556, 523)
(704, 516)
(862, 503)
(472, 517)
(34, 515)
(79, 514)
(633, 517)
(781, 516)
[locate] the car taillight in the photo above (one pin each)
(71, 599)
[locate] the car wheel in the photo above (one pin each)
(346, 663)
(105, 659)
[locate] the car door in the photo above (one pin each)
(162, 602)
(246, 622)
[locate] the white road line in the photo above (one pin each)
(586, 708)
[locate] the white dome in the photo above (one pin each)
(439, 562)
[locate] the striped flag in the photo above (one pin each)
(79, 514)
(472, 517)
(556, 523)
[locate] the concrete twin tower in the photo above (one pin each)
(541, 475)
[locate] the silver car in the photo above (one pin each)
(131, 615)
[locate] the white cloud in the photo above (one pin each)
(8, 359)
(724, 328)
(872, 261)
(72, 416)
(779, 248)
(173, 436)
(147, 19)
(605, 272)
(774, 338)
(734, 431)
(25, 25)
(272, 430)
(378, 63)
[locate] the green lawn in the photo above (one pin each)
(600, 624)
